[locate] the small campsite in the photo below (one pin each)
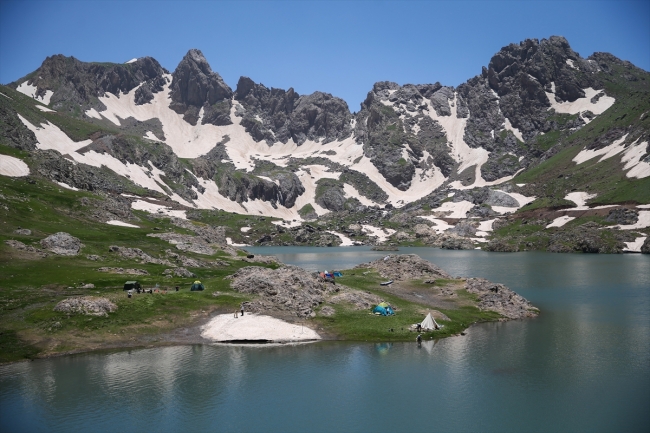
(411, 300)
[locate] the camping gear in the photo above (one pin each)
(383, 311)
(337, 274)
(197, 286)
(429, 323)
(386, 283)
(131, 285)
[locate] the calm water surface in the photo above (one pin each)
(583, 365)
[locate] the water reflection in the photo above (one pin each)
(581, 366)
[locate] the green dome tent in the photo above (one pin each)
(197, 286)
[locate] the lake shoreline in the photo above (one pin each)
(337, 312)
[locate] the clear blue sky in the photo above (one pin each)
(340, 47)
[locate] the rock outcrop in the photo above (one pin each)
(277, 115)
(195, 88)
(290, 289)
(62, 243)
(86, 305)
(401, 267)
(13, 132)
(500, 299)
(75, 83)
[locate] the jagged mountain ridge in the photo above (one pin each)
(270, 151)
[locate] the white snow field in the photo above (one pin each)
(631, 157)
(635, 247)
(382, 234)
(514, 130)
(44, 108)
(159, 209)
(121, 224)
(440, 225)
(560, 221)
(12, 167)
(345, 241)
(29, 90)
(580, 199)
(189, 141)
(643, 222)
(607, 152)
(581, 104)
(66, 186)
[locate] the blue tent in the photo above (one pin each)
(384, 311)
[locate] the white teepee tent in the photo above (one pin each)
(429, 323)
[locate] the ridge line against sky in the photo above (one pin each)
(340, 47)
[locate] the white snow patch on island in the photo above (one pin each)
(9, 97)
(581, 104)
(121, 224)
(29, 90)
(635, 247)
(245, 229)
(571, 64)
(13, 167)
(226, 327)
(560, 221)
(132, 61)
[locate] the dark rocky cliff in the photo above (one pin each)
(195, 86)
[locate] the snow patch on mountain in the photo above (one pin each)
(29, 90)
(632, 159)
(581, 104)
(12, 167)
(607, 152)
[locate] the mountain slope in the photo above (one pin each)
(541, 129)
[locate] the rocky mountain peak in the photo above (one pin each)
(278, 115)
(75, 83)
(195, 86)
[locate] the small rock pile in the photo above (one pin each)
(123, 271)
(138, 254)
(179, 272)
(360, 300)
(28, 248)
(499, 298)
(405, 267)
(86, 305)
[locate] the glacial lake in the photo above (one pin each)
(582, 366)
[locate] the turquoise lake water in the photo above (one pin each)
(582, 366)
